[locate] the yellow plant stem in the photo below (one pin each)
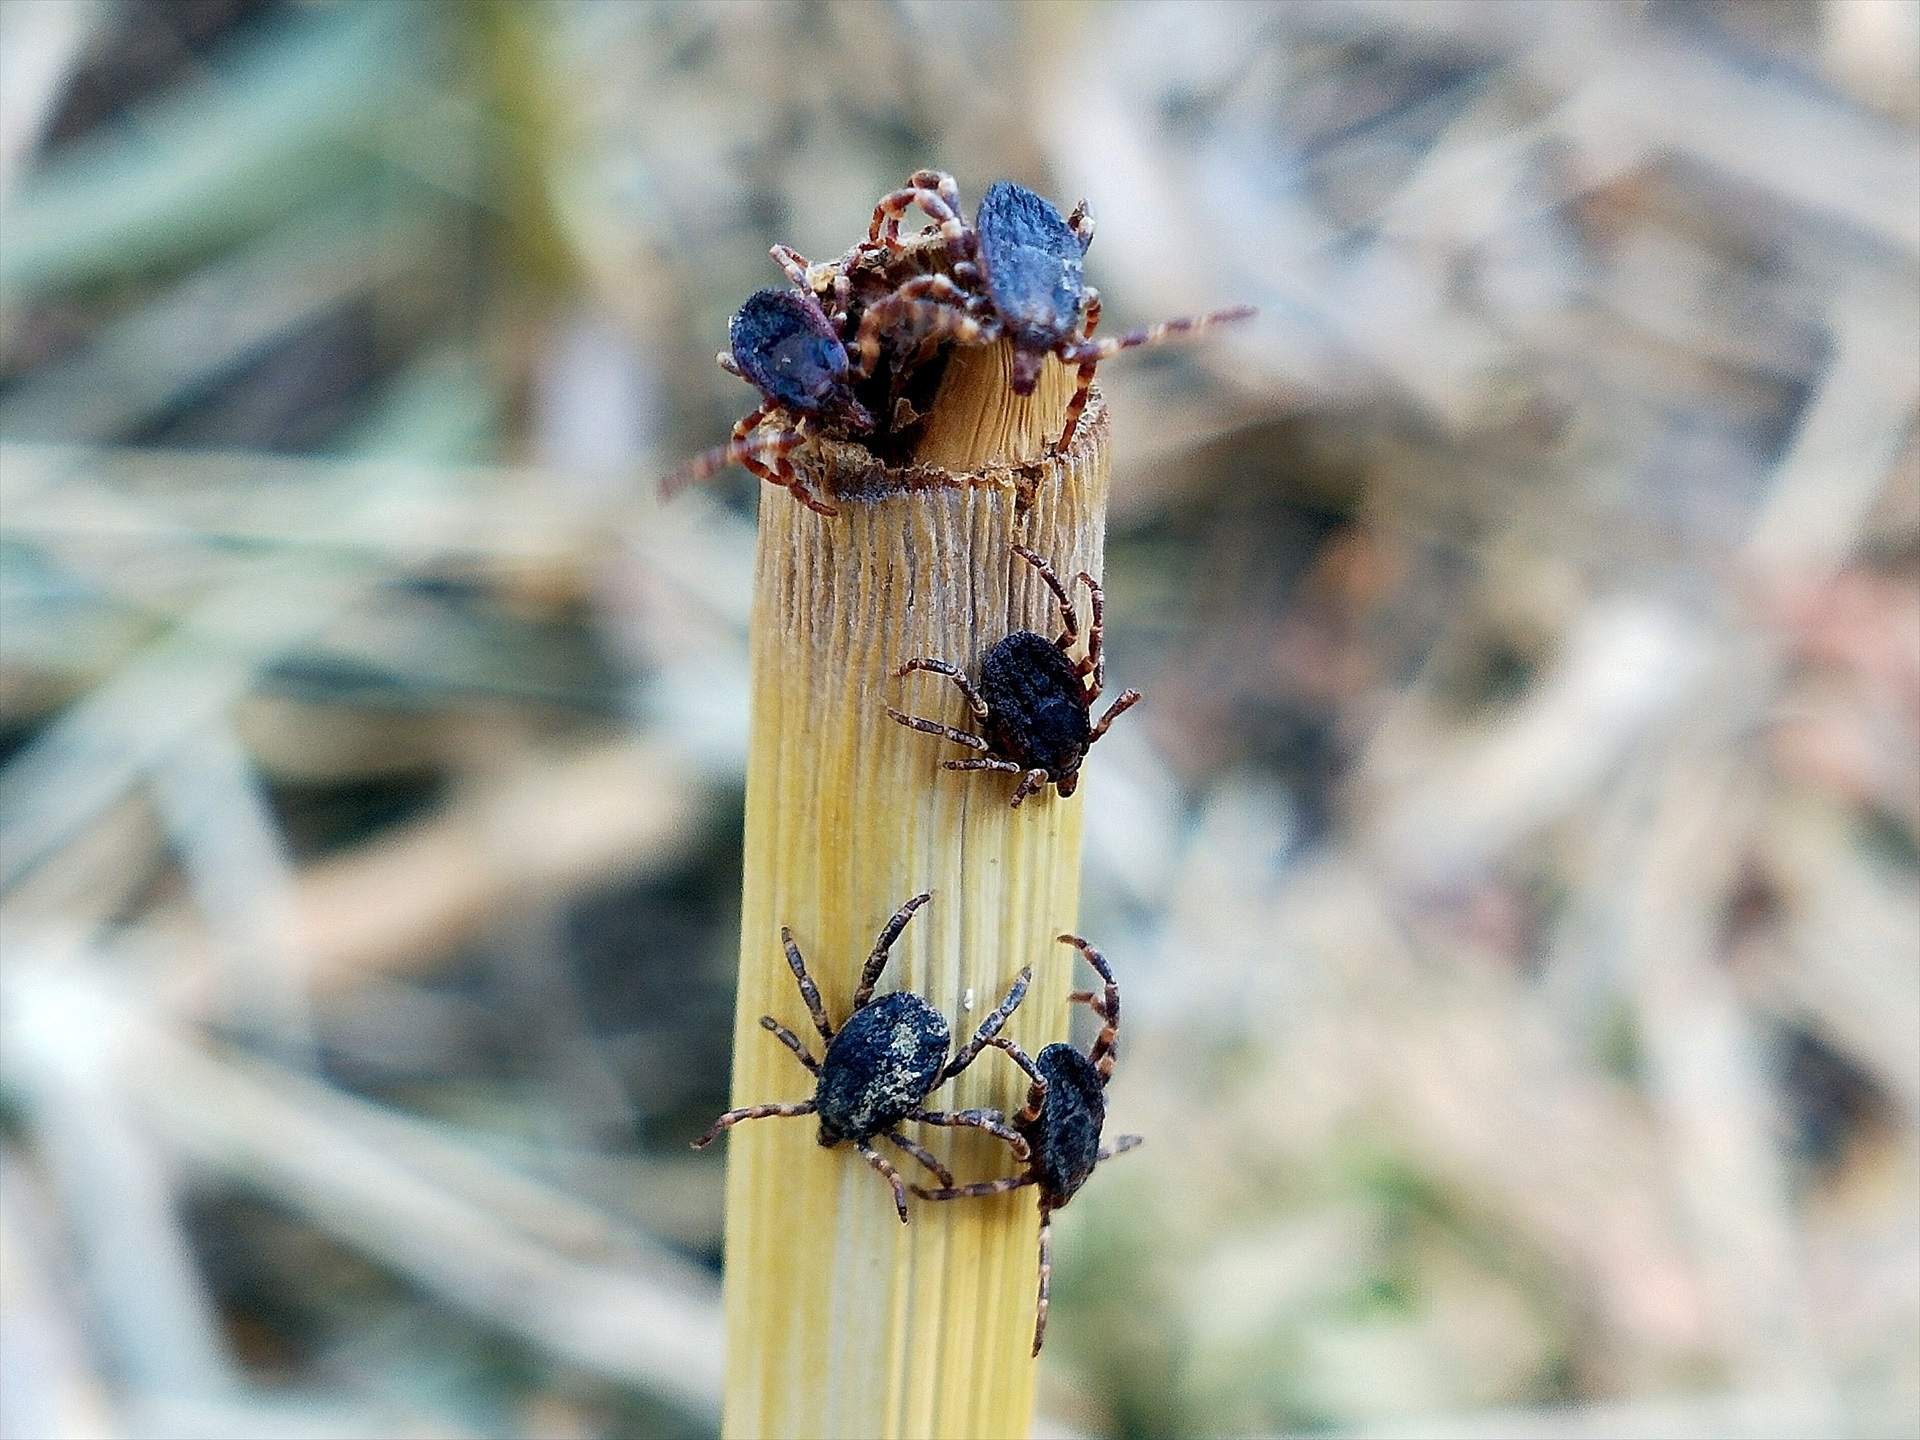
(841, 1321)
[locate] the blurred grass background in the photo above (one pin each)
(1515, 873)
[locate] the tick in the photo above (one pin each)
(1034, 701)
(1060, 1122)
(882, 1063)
(787, 346)
(1016, 274)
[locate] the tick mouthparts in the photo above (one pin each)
(1026, 371)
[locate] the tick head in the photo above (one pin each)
(1026, 368)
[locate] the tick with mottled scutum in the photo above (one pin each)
(785, 345)
(1015, 274)
(1060, 1123)
(882, 1063)
(1034, 701)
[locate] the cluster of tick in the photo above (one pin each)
(890, 1055)
(854, 348)
(1034, 702)
(853, 351)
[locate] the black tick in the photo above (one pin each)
(888, 1057)
(1016, 274)
(1035, 701)
(785, 345)
(1060, 1123)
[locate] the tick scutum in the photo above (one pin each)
(788, 350)
(1066, 1138)
(1031, 265)
(1037, 704)
(879, 1067)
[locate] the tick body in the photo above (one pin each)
(1016, 274)
(785, 345)
(1034, 701)
(1060, 1124)
(881, 1065)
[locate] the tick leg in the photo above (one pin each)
(1080, 221)
(1082, 390)
(792, 1041)
(989, 1027)
(1046, 1277)
(1121, 1144)
(795, 264)
(917, 295)
(932, 320)
(1102, 1053)
(1083, 381)
(712, 462)
(1036, 1082)
(979, 1188)
(919, 1152)
(727, 363)
(946, 732)
(1067, 617)
(1096, 635)
(1031, 783)
(1128, 699)
(774, 467)
(1089, 998)
(809, 991)
(1006, 765)
(991, 1121)
(953, 673)
(751, 1112)
(934, 192)
(890, 932)
(1087, 353)
(1099, 350)
(879, 1162)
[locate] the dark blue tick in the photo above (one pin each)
(785, 345)
(882, 1064)
(1017, 275)
(1034, 701)
(1059, 1126)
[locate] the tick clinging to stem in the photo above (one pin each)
(785, 345)
(888, 1057)
(1015, 274)
(1060, 1123)
(1034, 701)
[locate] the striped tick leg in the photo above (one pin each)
(1046, 1276)
(1070, 620)
(809, 992)
(934, 727)
(712, 462)
(1128, 699)
(991, 1121)
(989, 1027)
(1087, 353)
(1095, 661)
(938, 195)
(750, 1112)
(879, 1162)
(816, 280)
(792, 1041)
(976, 1190)
(919, 1152)
(1083, 380)
(922, 320)
(1103, 1053)
(877, 961)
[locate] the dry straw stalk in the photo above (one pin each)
(841, 1320)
